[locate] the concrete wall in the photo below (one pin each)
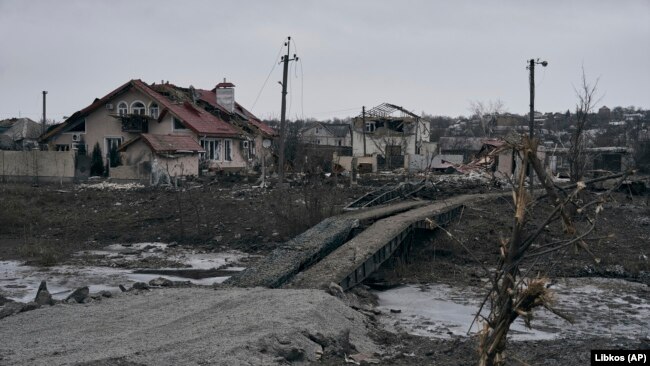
(139, 172)
(179, 165)
(50, 165)
(346, 161)
(139, 162)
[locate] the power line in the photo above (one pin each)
(302, 84)
(275, 62)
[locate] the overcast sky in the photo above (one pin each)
(431, 56)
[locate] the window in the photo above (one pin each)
(339, 142)
(154, 111)
(317, 130)
(62, 147)
(370, 126)
(122, 109)
(112, 142)
(212, 149)
(227, 147)
(79, 127)
(178, 124)
(138, 108)
(317, 142)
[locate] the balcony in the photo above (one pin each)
(135, 123)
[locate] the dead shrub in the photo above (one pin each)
(295, 212)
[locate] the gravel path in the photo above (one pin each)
(192, 326)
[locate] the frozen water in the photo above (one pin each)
(20, 282)
(599, 307)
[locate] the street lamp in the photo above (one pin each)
(531, 67)
(531, 127)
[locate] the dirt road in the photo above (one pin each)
(189, 326)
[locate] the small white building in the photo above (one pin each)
(329, 134)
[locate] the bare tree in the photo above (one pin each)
(486, 113)
(587, 99)
(514, 293)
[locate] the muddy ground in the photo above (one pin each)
(621, 250)
(46, 225)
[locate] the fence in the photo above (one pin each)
(37, 166)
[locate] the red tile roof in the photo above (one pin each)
(167, 143)
(196, 119)
(210, 97)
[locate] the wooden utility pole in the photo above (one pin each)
(531, 123)
(363, 128)
(44, 114)
(283, 122)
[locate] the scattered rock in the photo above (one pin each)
(140, 286)
(79, 295)
(238, 236)
(364, 358)
(43, 296)
(106, 293)
(32, 305)
(218, 238)
(395, 311)
(162, 282)
(10, 308)
(122, 288)
(4, 300)
(335, 290)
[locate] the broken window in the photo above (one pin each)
(138, 108)
(154, 111)
(122, 109)
(79, 127)
(178, 124)
(62, 147)
(370, 126)
(227, 150)
(212, 149)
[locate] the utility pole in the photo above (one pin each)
(531, 116)
(363, 128)
(283, 121)
(44, 115)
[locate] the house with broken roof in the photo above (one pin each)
(392, 134)
(19, 134)
(175, 130)
(329, 134)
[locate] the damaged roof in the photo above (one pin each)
(197, 119)
(166, 143)
(210, 97)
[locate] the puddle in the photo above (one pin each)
(117, 265)
(599, 307)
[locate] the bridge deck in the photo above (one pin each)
(312, 245)
(355, 260)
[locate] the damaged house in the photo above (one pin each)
(329, 134)
(391, 133)
(19, 134)
(176, 130)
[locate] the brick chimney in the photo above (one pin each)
(226, 95)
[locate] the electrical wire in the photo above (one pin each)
(275, 63)
(302, 82)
